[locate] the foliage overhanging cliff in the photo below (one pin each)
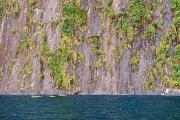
(89, 46)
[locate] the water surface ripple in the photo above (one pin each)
(90, 108)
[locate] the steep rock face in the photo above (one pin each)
(88, 46)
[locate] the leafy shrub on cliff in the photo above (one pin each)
(176, 66)
(23, 45)
(31, 6)
(134, 61)
(68, 27)
(27, 68)
(150, 32)
(11, 64)
(44, 49)
(122, 23)
(137, 12)
(16, 9)
(96, 43)
(162, 50)
(74, 17)
(63, 57)
(2, 4)
(108, 11)
(57, 61)
(175, 5)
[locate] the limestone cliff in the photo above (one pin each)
(89, 46)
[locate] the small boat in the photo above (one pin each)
(36, 96)
(61, 95)
(52, 96)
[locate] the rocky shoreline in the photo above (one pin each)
(163, 92)
(166, 92)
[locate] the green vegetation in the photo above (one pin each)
(95, 48)
(44, 49)
(11, 5)
(175, 5)
(150, 32)
(135, 22)
(74, 17)
(59, 69)
(122, 23)
(151, 74)
(57, 61)
(137, 12)
(25, 41)
(75, 12)
(156, 72)
(128, 22)
(163, 57)
(134, 61)
(18, 47)
(16, 9)
(99, 54)
(31, 6)
(98, 63)
(14, 30)
(108, 11)
(27, 68)
(11, 64)
(137, 17)
(80, 58)
(68, 27)
(118, 51)
(108, 43)
(2, 4)
(176, 66)
(162, 50)
(54, 23)
(23, 45)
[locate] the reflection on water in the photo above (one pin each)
(90, 108)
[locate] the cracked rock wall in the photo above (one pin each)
(25, 73)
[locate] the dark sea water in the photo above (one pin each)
(90, 108)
